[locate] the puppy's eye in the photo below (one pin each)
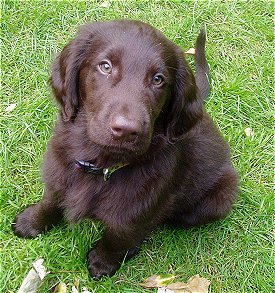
(158, 79)
(105, 67)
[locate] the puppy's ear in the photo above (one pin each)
(65, 73)
(188, 94)
(185, 108)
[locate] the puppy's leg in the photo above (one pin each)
(215, 205)
(39, 217)
(111, 250)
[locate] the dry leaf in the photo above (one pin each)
(75, 288)
(105, 4)
(195, 284)
(164, 290)
(60, 288)
(84, 290)
(10, 107)
(40, 269)
(248, 132)
(63, 288)
(34, 278)
(191, 51)
(157, 281)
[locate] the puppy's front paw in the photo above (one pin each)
(26, 224)
(99, 267)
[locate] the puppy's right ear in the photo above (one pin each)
(65, 72)
(65, 93)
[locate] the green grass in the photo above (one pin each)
(234, 254)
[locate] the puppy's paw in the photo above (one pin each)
(99, 267)
(26, 224)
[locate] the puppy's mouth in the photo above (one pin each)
(126, 149)
(121, 151)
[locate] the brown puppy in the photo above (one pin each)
(133, 146)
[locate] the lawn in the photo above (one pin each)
(234, 254)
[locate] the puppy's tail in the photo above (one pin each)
(202, 68)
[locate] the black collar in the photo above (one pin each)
(88, 167)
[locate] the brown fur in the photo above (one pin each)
(179, 170)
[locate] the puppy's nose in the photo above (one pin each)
(124, 128)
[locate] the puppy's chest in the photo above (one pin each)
(128, 194)
(91, 197)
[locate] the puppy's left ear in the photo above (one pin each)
(185, 108)
(188, 94)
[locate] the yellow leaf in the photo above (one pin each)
(60, 288)
(157, 281)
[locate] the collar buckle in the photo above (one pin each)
(88, 167)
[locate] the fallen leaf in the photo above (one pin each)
(75, 288)
(84, 290)
(60, 288)
(195, 284)
(10, 107)
(31, 283)
(40, 269)
(248, 132)
(105, 4)
(164, 290)
(34, 278)
(191, 51)
(157, 281)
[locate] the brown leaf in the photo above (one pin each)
(195, 284)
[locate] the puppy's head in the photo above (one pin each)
(128, 83)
